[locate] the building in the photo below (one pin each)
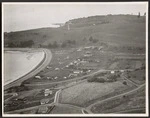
(112, 72)
(44, 101)
(48, 77)
(87, 55)
(72, 75)
(38, 77)
(88, 52)
(48, 67)
(121, 70)
(76, 71)
(57, 69)
(48, 92)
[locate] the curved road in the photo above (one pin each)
(41, 66)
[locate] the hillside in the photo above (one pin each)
(122, 30)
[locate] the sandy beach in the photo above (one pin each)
(18, 63)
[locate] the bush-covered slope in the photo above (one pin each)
(113, 29)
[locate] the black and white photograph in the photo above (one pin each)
(75, 59)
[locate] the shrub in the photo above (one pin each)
(96, 79)
(101, 80)
(124, 82)
(91, 79)
(113, 77)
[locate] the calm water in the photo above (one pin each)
(17, 64)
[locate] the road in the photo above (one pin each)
(56, 99)
(123, 76)
(41, 66)
(74, 79)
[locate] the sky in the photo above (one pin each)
(23, 16)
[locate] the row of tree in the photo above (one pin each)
(28, 43)
(66, 43)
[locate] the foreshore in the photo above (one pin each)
(43, 63)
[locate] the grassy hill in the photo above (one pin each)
(116, 30)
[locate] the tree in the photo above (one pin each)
(91, 79)
(95, 40)
(124, 82)
(139, 15)
(101, 80)
(91, 38)
(63, 45)
(84, 39)
(28, 43)
(11, 45)
(55, 44)
(50, 45)
(74, 42)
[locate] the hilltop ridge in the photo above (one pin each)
(111, 29)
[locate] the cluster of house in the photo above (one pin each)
(47, 92)
(76, 64)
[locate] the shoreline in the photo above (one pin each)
(33, 72)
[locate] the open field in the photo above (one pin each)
(126, 102)
(126, 64)
(85, 92)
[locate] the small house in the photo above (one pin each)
(71, 75)
(37, 77)
(112, 72)
(44, 101)
(88, 52)
(67, 66)
(48, 78)
(57, 69)
(121, 70)
(65, 77)
(48, 92)
(76, 72)
(55, 77)
(48, 67)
